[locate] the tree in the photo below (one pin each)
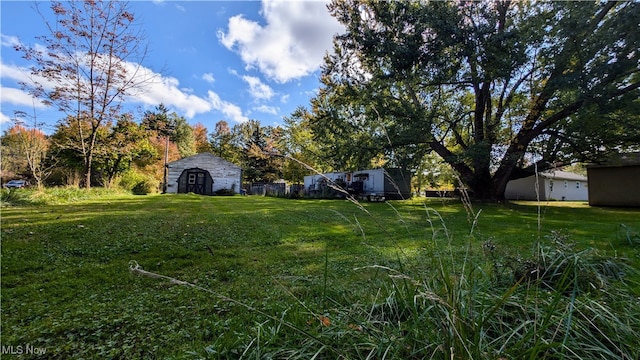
(300, 150)
(498, 90)
(25, 151)
(92, 60)
(68, 143)
(261, 163)
(13, 163)
(183, 135)
(158, 121)
(225, 142)
(126, 143)
(171, 127)
(162, 126)
(200, 135)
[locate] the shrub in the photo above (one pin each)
(225, 192)
(137, 183)
(10, 197)
(144, 187)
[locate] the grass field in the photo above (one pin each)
(281, 278)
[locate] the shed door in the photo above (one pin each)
(196, 181)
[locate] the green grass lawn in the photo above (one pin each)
(306, 276)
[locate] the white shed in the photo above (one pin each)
(203, 174)
(552, 185)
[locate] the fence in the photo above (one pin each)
(274, 189)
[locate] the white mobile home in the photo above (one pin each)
(320, 185)
(549, 185)
(374, 184)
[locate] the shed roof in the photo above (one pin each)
(563, 175)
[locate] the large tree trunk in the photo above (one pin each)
(498, 187)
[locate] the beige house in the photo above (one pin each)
(202, 174)
(615, 183)
(549, 185)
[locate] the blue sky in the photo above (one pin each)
(216, 60)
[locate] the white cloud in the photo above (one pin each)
(284, 98)
(13, 72)
(208, 77)
(291, 45)
(167, 90)
(267, 109)
(14, 96)
(10, 41)
(241, 31)
(181, 8)
(19, 97)
(233, 112)
(4, 118)
(156, 89)
(257, 89)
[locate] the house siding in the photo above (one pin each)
(551, 186)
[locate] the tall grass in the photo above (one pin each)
(477, 302)
(53, 195)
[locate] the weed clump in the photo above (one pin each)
(558, 266)
(225, 192)
(12, 197)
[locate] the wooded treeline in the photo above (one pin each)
(483, 92)
(130, 150)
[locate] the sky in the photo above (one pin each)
(212, 60)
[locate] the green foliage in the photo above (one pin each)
(12, 197)
(224, 142)
(138, 183)
(299, 148)
(254, 147)
(164, 124)
(147, 186)
(496, 91)
(259, 156)
(126, 144)
(53, 195)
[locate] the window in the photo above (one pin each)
(192, 179)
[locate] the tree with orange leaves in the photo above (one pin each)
(26, 149)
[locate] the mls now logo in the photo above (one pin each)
(28, 349)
